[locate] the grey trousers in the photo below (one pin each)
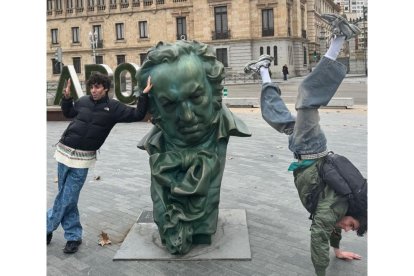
(305, 134)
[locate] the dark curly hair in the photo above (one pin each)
(99, 78)
(165, 52)
(363, 224)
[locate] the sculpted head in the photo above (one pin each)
(186, 93)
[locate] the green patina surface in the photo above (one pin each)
(187, 145)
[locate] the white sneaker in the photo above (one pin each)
(340, 26)
(254, 65)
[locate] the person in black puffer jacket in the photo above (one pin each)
(93, 118)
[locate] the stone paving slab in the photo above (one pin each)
(255, 179)
(230, 242)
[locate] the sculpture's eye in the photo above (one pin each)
(168, 105)
(197, 97)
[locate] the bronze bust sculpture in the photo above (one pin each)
(187, 145)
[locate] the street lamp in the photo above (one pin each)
(93, 39)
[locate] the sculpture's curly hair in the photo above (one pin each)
(165, 52)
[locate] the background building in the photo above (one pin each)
(239, 31)
(116, 31)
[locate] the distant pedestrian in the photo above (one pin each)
(332, 211)
(93, 118)
(285, 71)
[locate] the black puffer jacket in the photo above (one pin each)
(93, 120)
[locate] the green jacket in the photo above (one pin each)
(331, 208)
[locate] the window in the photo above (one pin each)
(75, 34)
(268, 50)
(119, 31)
(305, 56)
(221, 54)
(91, 5)
(261, 51)
(124, 4)
(77, 64)
(135, 3)
(79, 5)
(143, 29)
(101, 5)
(181, 28)
(99, 59)
(69, 4)
(54, 33)
(221, 27)
(289, 11)
(267, 22)
(290, 54)
(142, 57)
(49, 7)
(120, 59)
(98, 29)
(55, 66)
(148, 3)
(275, 62)
(58, 5)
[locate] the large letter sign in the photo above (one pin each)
(68, 72)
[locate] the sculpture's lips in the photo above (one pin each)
(190, 129)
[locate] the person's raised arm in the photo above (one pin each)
(66, 92)
(128, 114)
(67, 102)
(148, 87)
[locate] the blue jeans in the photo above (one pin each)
(65, 208)
(305, 134)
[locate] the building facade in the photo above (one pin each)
(318, 30)
(352, 6)
(123, 31)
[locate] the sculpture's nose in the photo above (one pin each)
(185, 112)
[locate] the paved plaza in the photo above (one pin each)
(255, 179)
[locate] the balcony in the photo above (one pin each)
(220, 35)
(147, 3)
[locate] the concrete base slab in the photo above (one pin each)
(231, 241)
(341, 102)
(241, 102)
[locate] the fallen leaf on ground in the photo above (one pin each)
(104, 239)
(97, 177)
